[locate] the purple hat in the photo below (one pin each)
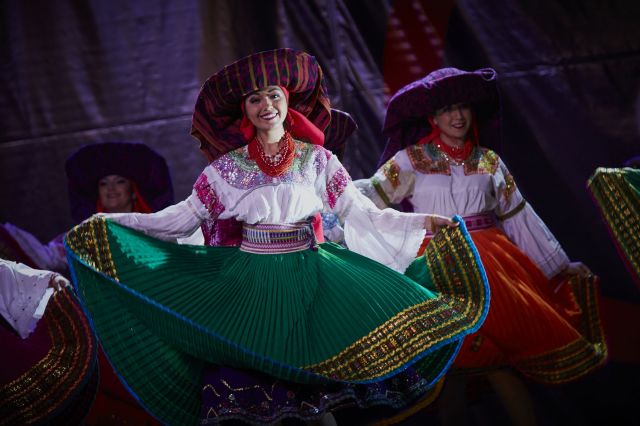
(135, 161)
(341, 127)
(218, 114)
(406, 119)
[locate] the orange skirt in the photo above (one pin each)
(549, 330)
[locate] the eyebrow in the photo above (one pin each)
(257, 92)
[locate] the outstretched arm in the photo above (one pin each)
(177, 221)
(387, 236)
(24, 294)
(525, 228)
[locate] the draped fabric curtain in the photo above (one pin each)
(77, 72)
(74, 72)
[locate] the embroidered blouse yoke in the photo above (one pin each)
(234, 187)
(480, 184)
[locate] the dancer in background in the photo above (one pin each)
(48, 355)
(101, 177)
(543, 320)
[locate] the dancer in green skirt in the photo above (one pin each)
(280, 305)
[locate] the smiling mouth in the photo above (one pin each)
(268, 116)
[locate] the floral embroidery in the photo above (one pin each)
(336, 186)
(509, 187)
(241, 172)
(481, 161)
(320, 161)
(208, 196)
(392, 172)
(428, 159)
(209, 233)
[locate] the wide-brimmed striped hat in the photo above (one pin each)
(406, 118)
(218, 114)
(341, 127)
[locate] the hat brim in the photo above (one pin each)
(218, 113)
(341, 127)
(406, 118)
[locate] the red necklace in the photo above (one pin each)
(458, 154)
(277, 164)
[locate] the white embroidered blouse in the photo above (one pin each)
(482, 184)
(24, 295)
(234, 187)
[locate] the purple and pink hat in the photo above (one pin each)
(406, 118)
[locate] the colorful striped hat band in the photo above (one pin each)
(218, 112)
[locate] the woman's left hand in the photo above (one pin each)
(578, 268)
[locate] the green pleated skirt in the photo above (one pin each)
(163, 310)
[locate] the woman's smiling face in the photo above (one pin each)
(116, 194)
(266, 108)
(454, 121)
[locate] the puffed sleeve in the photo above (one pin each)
(180, 220)
(391, 184)
(23, 295)
(387, 236)
(50, 256)
(524, 227)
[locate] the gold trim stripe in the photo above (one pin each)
(48, 385)
(378, 187)
(580, 356)
(511, 213)
(418, 328)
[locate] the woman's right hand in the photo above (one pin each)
(58, 282)
(434, 222)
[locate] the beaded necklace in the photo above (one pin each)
(277, 164)
(452, 154)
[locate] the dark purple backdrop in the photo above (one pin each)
(77, 72)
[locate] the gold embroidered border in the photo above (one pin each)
(391, 170)
(581, 356)
(509, 187)
(620, 207)
(482, 161)
(391, 344)
(47, 386)
(428, 160)
(419, 327)
(456, 273)
(89, 241)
